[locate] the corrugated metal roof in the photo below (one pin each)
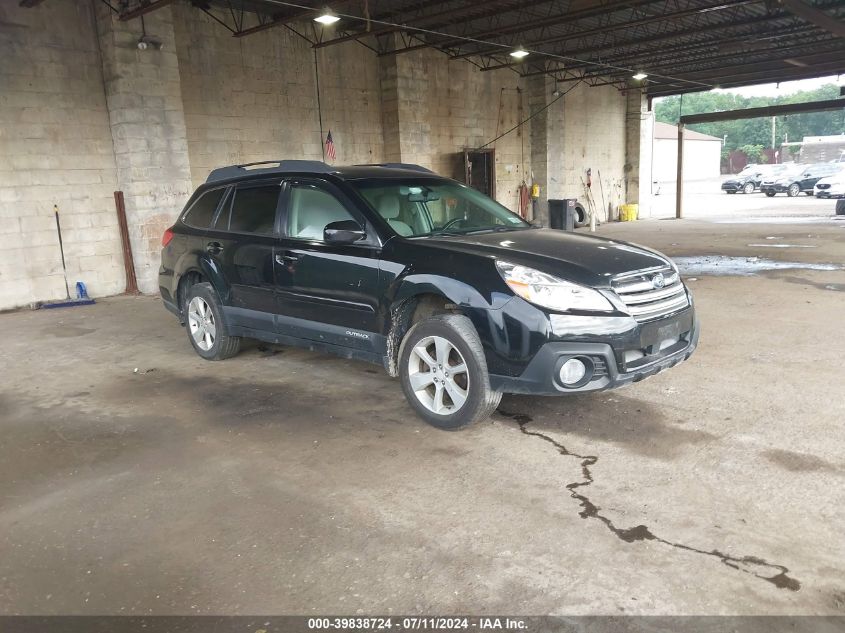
(682, 45)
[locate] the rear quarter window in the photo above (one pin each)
(201, 212)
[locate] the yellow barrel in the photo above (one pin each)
(628, 212)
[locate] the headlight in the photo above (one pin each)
(550, 291)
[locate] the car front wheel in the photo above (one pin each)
(748, 188)
(444, 372)
(794, 190)
(206, 327)
(771, 194)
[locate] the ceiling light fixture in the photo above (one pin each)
(326, 18)
(519, 53)
(640, 76)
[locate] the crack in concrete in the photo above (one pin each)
(778, 575)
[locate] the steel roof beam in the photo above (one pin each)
(752, 79)
(411, 22)
(624, 25)
(765, 111)
(144, 9)
(572, 16)
(814, 16)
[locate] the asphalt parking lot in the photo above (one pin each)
(283, 481)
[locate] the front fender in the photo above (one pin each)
(458, 292)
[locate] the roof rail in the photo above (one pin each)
(278, 167)
(409, 166)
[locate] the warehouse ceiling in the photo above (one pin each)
(682, 45)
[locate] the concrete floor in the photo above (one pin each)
(283, 481)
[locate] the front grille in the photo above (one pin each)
(823, 185)
(646, 298)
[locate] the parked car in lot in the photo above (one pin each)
(744, 184)
(832, 186)
(800, 179)
(448, 290)
(751, 178)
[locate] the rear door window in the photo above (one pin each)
(202, 210)
(253, 210)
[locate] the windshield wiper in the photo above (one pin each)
(441, 232)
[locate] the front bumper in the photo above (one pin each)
(766, 188)
(608, 359)
(830, 193)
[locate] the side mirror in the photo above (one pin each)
(343, 232)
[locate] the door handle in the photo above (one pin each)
(214, 248)
(284, 260)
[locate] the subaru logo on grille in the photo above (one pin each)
(658, 281)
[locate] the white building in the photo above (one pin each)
(702, 154)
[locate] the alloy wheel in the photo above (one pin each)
(438, 375)
(201, 323)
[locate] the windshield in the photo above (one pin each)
(418, 207)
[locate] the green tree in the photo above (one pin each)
(793, 127)
(754, 153)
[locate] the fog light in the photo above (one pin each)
(572, 372)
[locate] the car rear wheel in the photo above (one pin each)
(840, 207)
(444, 372)
(205, 325)
(748, 188)
(794, 190)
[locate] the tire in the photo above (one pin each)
(581, 217)
(205, 325)
(450, 338)
(748, 188)
(771, 194)
(840, 207)
(794, 190)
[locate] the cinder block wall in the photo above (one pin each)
(594, 129)
(254, 98)
(83, 113)
(435, 108)
(55, 149)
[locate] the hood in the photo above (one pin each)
(575, 257)
(740, 179)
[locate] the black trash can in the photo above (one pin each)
(562, 214)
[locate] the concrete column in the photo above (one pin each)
(405, 101)
(639, 131)
(144, 100)
(547, 143)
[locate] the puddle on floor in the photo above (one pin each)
(785, 245)
(784, 219)
(725, 265)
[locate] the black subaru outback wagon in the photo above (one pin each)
(448, 290)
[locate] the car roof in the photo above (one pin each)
(314, 167)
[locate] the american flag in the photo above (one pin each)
(332, 155)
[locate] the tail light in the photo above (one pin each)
(168, 235)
